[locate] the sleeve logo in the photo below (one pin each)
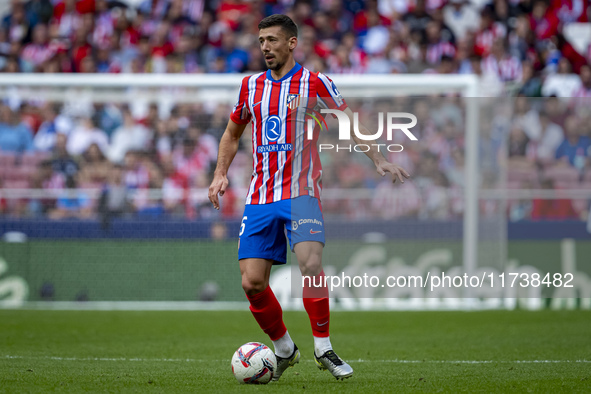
(335, 90)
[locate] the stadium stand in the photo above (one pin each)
(518, 48)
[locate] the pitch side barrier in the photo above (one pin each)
(371, 231)
(178, 265)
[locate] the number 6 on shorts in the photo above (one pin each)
(242, 225)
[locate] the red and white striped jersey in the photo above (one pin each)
(582, 92)
(507, 69)
(436, 51)
(485, 38)
(285, 163)
(37, 54)
(581, 97)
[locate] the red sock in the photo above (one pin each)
(267, 312)
(316, 304)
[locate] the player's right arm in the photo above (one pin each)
(239, 118)
(382, 165)
(226, 152)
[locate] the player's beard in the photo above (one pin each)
(275, 64)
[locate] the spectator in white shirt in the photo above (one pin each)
(461, 17)
(85, 134)
(526, 118)
(46, 135)
(129, 136)
(53, 124)
(543, 149)
(564, 83)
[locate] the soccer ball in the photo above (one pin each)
(254, 363)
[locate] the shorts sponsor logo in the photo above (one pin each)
(309, 221)
(297, 223)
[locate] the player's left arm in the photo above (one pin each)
(382, 165)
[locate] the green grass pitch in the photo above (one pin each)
(169, 352)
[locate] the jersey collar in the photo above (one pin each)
(290, 74)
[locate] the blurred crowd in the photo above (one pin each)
(119, 159)
(515, 45)
(525, 144)
(110, 161)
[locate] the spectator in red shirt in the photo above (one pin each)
(569, 11)
(543, 21)
(232, 11)
(489, 32)
(37, 52)
(3, 201)
(161, 47)
(557, 209)
(66, 19)
(129, 35)
(81, 48)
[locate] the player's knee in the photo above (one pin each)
(312, 266)
(253, 286)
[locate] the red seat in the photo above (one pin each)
(90, 185)
(19, 173)
(586, 185)
(514, 185)
(566, 184)
(16, 184)
(7, 159)
(582, 204)
(32, 159)
(562, 174)
(522, 175)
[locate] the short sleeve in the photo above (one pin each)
(329, 96)
(240, 113)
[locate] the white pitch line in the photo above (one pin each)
(472, 361)
(192, 360)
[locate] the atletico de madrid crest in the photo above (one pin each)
(293, 101)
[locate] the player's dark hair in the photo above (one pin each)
(287, 25)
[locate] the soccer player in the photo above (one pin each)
(285, 188)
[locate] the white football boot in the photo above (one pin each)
(337, 367)
(284, 363)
